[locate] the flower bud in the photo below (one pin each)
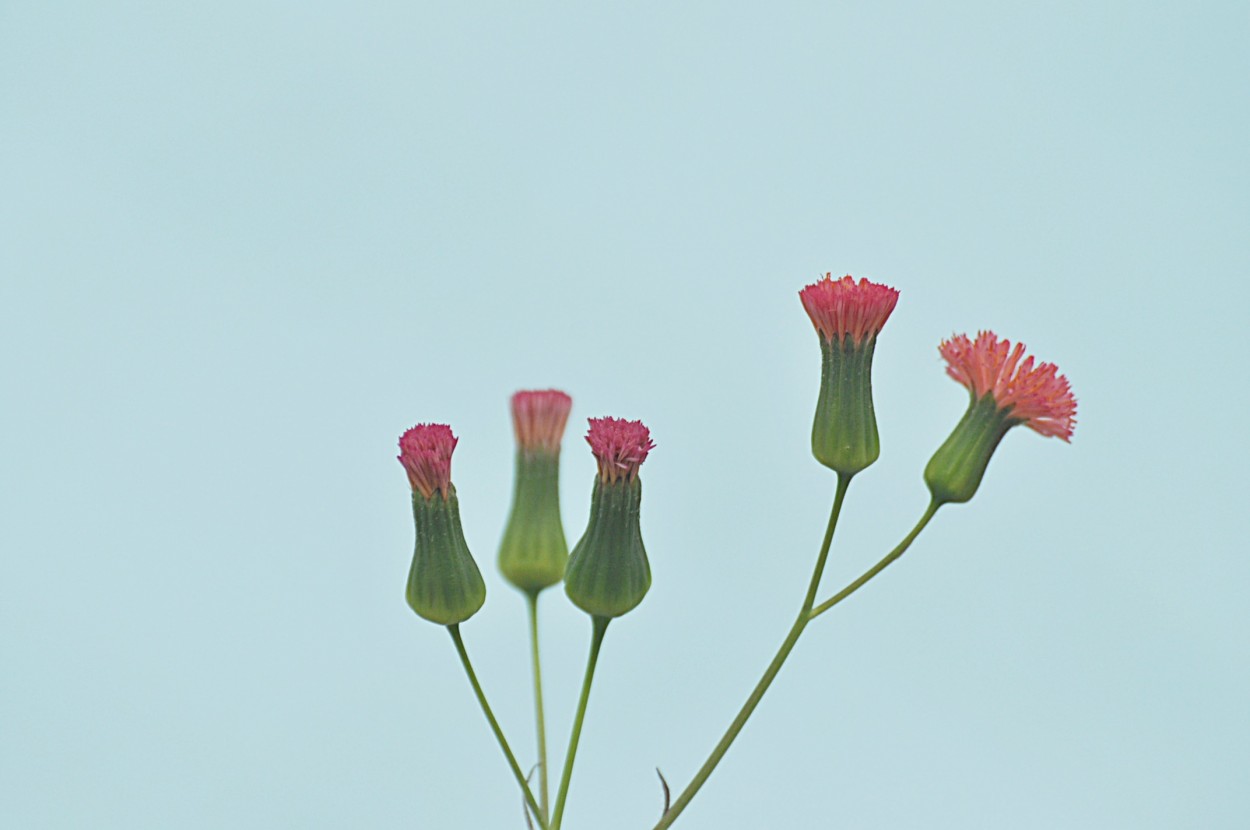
(608, 573)
(444, 584)
(1005, 393)
(847, 315)
(534, 552)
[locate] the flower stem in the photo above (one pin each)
(494, 725)
(774, 667)
(880, 566)
(532, 602)
(600, 628)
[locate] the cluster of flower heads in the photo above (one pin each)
(1031, 393)
(619, 446)
(1036, 395)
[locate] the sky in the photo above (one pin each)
(243, 246)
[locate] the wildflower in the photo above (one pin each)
(608, 573)
(1005, 391)
(847, 315)
(444, 584)
(533, 553)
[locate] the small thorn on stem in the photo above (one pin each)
(668, 795)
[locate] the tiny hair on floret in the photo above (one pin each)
(1033, 393)
(619, 446)
(846, 308)
(538, 418)
(425, 451)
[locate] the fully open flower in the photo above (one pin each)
(1036, 395)
(1007, 389)
(608, 572)
(444, 584)
(848, 316)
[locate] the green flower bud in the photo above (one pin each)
(955, 471)
(444, 584)
(533, 553)
(608, 573)
(844, 432)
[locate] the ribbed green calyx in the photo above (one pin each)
(956, 469)
(844, 433)
(444, 584)
(608, 573)
(533, 553)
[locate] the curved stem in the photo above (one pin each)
(544, 788)
(880, 566)
(600, 628)
(494, 725)
(774, 667)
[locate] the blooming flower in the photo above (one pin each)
(608, 573)
(444, 584)
(1006, 391)
(1035, 395)
(847, 315)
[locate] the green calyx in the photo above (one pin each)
(444, 584)
(956, 469)
(533, 553)
(844, 433)
(608, 573)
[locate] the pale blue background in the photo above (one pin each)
(244, 245)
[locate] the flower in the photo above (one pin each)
(1035, 395)
(847, 315)
(846, 308)
(444, 584)
(1005, 392)
(425, 451)
(619, 446)
(533, 552)
(608, 573)
(538, 418)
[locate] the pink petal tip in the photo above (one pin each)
(619, 446)
(538, 418)
(839, 308)
(425, 451)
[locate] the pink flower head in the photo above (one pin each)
(425, 451)
(845, 307)
(619, 446)
(538, 418)
(1033, 394)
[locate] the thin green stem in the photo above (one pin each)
(494, 725)
(844, 481)
(532, 602)
(880, 566)
(600, 628)
(774, 667)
